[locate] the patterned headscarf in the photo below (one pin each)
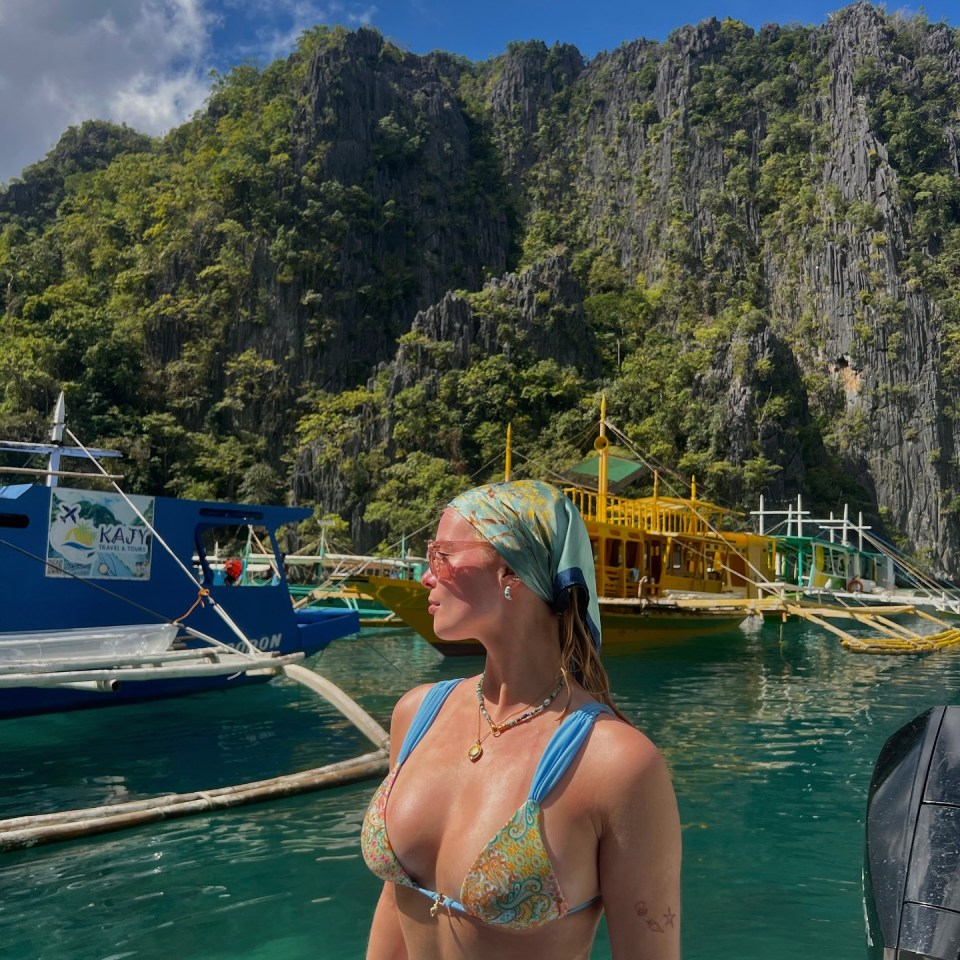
(541, 535)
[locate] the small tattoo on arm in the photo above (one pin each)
(654, 925)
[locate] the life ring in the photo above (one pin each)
(854, 586)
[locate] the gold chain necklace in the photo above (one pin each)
(476, 750)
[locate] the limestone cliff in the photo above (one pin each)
(749, 240)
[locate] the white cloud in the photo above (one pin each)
(276, 25)
(140, 62)
(156, 104)
(145, 63)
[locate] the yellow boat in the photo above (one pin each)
(666, 569)
(628, 624)
(408, 600)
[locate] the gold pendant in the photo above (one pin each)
(475, 752)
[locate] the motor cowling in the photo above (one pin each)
(912, 849)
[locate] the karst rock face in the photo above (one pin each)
(636, 149)
(877, 334)
(788, 193)
(395, 153)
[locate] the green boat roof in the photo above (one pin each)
(619, 470)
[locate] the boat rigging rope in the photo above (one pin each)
(198, 634)
(216, 606)
(202, 594)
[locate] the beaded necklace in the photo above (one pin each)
(476, 750)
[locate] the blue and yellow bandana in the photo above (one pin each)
(541, 535)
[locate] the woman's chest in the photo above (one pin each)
(446, 812)
(440, 815)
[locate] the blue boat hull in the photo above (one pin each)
(39, 596)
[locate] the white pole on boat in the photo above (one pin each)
(56, 436)
(762, 530)
(271, 561)
(227, 619)
(799, 516)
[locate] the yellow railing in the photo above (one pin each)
(659, 515)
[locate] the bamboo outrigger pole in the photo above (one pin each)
(20, 833)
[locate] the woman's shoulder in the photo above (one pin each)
(405, 709)
(623, 756)
(410, 702)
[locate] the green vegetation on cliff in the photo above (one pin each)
(343, 278)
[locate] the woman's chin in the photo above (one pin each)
(450, 634)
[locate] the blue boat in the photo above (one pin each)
(114, 599)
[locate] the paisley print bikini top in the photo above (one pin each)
(511, 883)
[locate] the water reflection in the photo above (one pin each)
(771, 736)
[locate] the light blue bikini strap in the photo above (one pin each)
(563, 747)
(425, 715)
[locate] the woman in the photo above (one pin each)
(531, 753)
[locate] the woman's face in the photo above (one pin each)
(466, 595)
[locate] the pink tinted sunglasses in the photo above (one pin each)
(440, 551)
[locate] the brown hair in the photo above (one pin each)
(580, 657)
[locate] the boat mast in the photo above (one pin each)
(508, 460)
(600, 445)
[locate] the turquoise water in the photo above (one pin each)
(771, 739)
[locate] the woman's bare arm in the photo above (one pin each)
(640, 850)
(386, 938)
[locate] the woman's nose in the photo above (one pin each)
(428, 573)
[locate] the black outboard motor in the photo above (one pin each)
(912, 860)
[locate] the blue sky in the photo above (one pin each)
(147, 63)
(482, 29)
